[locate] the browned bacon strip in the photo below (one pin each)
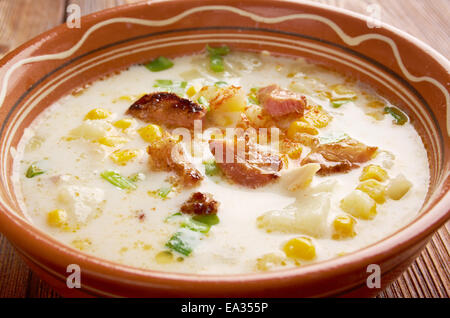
(279, 102)
(168, 155)
(168, 109)
(340, 156)
(250, 167)
(200, 203)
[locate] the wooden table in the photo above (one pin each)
(428, 20)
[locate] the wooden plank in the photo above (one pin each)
(23, 19)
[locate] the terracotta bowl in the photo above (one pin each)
(401, 68)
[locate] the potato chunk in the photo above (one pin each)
(307, 216)
(360, 205)
(398, 187)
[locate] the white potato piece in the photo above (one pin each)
(398, 187)
(360, 205)
(80, 202)
(300, 177)
(92, 130)
(308, 216)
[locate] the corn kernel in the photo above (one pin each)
(374, 189)
(191, 91)
(360, 205)
(295, 153)
(317, 117)
(398, 187)
(300, 248)
(97, 113)
(124, 123)
(151, 133)
(112, 141)
(301, 127)
(343, 227)
(56, 217)
(374, 172)
(121, 157)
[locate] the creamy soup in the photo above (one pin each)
(104, 170)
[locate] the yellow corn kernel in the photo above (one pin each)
(343, 227)
(112, 141)
(374, 172)
(124, 123)
(301, 127)
(300, 248)
(398, 187)
(151, 133)
(56, 217)
(121, 157)
(191, 91)
(360, 205)
(97, 113)
(317, 117)
(376, 104)
(295, 153)
(374, 189)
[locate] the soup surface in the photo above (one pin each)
(135, 169)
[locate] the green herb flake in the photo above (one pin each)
(340, 102)
(173, 217)
(220, 84)
(33, 171)
(211, 168)
(400, 117)
(210, 219)
(184, 241)
(177, 87)
(196, 226)
(164, 192)
(216, 55)
(159, 64)
(117, 180)
(203, 101)
(253, 96)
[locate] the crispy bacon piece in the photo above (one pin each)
(279, 102)
(200, 203)
(246, 163)
(340, 156)
(168, 109)
(168, 155)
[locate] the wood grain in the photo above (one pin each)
(427, 20)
